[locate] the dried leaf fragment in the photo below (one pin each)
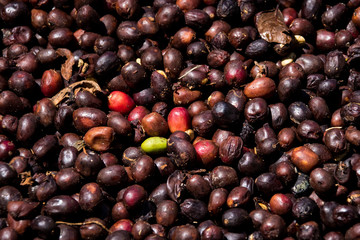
(66, 68)
(272, 28)
(70, 91)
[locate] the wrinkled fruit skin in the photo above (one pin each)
(182, 152)
(99, 138)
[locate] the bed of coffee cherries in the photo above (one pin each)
(180, 119)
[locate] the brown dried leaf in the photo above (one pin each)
(89, 85)
(66, 68)
(272, 28)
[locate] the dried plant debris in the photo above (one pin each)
(272, 28)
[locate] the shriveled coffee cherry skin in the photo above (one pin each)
(90, 196)
(45, 146)
(166, 213)
(154, 124)
(88, 163)
(207, 152)
(45, 110)
(230, 149)
(198, 187)
(120, 125)
(321, 181)
(99, 138)
(256, 111)
(112, 176)
(143, 168)
(225, 114)
(51, 83)
(304, 158)
(67, 157)
(280, 204)
(261, 87)
(68, 179)
(194, 209)
(353, 232)
(141, 229)
(217, 200)
(133, 196)
(235, 73)
(212, 232)
(234, 218)
(268, 183)
(273, 227)
(304, 209)
(203, 123)
(62, 207)
(223, 176)
(86, 118)
(335, 140)
(182, 152)
(238, 196)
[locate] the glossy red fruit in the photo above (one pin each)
(120, 102)
(179, 119)
(206, 152)
(51, 83)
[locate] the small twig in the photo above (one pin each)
(80, 144)
(197, 171)
(84, 223)
(332, 128)
(192, 69)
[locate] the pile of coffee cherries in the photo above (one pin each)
(180, 119)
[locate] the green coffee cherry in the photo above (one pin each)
(154, 145)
